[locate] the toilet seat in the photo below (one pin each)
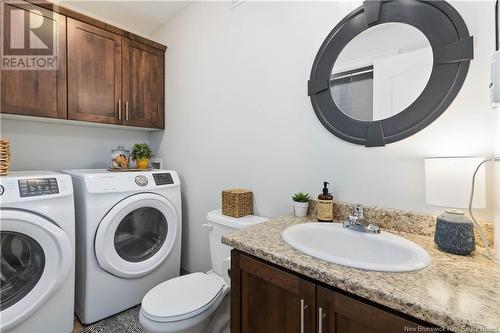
(193, 294)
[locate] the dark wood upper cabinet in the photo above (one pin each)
(40, 93)
(266, 299)
(105, 74)
(95, 74)
(143, 85)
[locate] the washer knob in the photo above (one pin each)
(1, 189)
(141, 180)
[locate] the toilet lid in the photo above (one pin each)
(182, 297)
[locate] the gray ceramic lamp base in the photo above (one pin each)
(455, 233)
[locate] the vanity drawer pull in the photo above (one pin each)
(321, 316)
(303, 307)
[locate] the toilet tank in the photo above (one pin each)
(219, 225)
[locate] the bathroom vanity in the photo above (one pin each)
(268, 298)
(275, 288)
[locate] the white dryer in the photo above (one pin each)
(37, 228)
(128, 237)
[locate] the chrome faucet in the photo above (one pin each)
(357, 222)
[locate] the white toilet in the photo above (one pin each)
(197, 302)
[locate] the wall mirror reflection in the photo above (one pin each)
(381, 71)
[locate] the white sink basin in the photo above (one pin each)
(332, 242)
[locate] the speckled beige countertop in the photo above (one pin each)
(459, 293)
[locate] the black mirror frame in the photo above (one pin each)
(452, 48)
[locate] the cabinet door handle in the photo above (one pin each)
(126, 110)
(119, 109)
(303, 307)
(321, 315)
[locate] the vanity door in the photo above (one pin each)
(338, 313)
(267, 299)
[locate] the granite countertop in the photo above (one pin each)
(459, 293)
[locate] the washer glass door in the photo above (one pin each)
(36, 259)
(22, 262)
(136, 235)
(141, 234)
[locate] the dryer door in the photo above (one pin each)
(36, 257)
(136, 235)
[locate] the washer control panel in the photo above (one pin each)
(163, 178)
(37, 186)
(141, 180)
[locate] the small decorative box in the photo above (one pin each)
(237, 202)
(4, 157)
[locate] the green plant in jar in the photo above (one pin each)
(141, 153)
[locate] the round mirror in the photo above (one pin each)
(381, 71)
(389, 69)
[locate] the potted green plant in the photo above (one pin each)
(300, 204)
(141, 153)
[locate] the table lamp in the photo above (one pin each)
(448, 183)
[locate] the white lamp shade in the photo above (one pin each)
(448, 182)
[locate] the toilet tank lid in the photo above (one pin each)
(216, 216)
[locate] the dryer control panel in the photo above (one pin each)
(163, 178)
(31, 187)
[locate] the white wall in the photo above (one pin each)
(497, 187)
(238, 115)
(497, 184)
(497, 190)
(50, 146)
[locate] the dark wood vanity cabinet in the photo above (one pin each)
(106, 75)
(266, 298)
(40, 93)
(340, 313)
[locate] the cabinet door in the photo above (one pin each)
(337, 313)
(95, 72)
(267, 299)
(143, 85)
(40, 93)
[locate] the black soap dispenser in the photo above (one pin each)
(325, 205)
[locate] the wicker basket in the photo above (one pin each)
(237, 202)
(4, 156)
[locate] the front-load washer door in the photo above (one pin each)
(36, 257)
(136, 235)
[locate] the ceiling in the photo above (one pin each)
(140, 17)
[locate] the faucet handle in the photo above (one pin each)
(358, 211)
(352, 219)
(373, 228)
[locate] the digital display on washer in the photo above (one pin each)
(37, 186)
(163, 178)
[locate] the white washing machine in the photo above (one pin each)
(128, 237)
(37, 228)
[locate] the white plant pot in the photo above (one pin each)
(300, 208)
